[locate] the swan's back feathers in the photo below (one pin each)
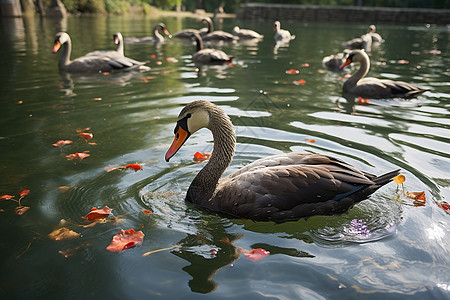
(210, 55)
(371, 87)
(94, 63)
(291, 186)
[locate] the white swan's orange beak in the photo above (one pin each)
(116, 40)
(347, 62)
(56, 47)
(181, 136)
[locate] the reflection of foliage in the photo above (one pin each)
(122, 6)
(102, 6)
(376, 3)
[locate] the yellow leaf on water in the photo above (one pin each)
(63, 234)
(399, 179)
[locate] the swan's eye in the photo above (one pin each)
(188, 115)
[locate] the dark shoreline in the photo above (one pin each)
(316, 13)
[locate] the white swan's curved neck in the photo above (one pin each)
(66, 51)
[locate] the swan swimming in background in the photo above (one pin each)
(217, 35)
(118, 40)
(209, 55)
(375, 88)
(157, 37)
(92, 63)
(246, 34)
(281, 35)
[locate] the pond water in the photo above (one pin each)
(387, 246)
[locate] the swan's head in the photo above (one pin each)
(193, 117)
(236, 29)
(60, 39)
(276, 26)
(372, 28)
(163, 28)
(355, 56)
(117, 38)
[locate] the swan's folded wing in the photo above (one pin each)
(90, 63)
(289, 192)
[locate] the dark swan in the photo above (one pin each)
(375, 88)
(278, 188)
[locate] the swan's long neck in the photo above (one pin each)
(204, 184)
(157, 35)
(199, 41)
(120, 49)
(362, 71)
(64, 61)
(210, 25)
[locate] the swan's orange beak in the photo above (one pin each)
(116, 40)
(347, 62)
(181, 136)
(56, 46)
(166, 32)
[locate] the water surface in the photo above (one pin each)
(387, 246)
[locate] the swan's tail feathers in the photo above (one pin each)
(385, 178)
(378, 181)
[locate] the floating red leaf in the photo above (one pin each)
(61, 143)
(198, 157)
(306, 65)
(125, 239)
(86, 135)
(299, 82)
(20, 210)
(6, 197)
(153, 56)
(95, 213)
(146, 211)
(362, 100)
(403, 61)
(445, 206)
(417, 196)
(147, 78)
(311, 141)
(24, 193)
(78, 155)
(135, 167)
(292, 71)
(433, 51)
(171, 59)
(97, 99)
(255, 254)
